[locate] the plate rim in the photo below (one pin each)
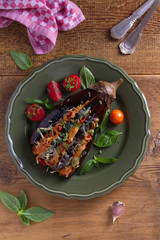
(124, 176)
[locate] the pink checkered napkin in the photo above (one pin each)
(43, 19)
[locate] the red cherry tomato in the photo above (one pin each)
(54, 91)
(116, 116)
(35, 112)
(72, 83)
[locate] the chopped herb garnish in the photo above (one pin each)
(74, 164)
(67, 147)
(75, 124)
(100, 101)
(65, 137)
(63, 124)
(91, 131)
(69, 86)
(58, 141)
(58, 150)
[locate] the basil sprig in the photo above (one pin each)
(14, 204)
(40, 102)
(22, 60)
(86, 77)
(105, 120)
(95, 163)
(107, 139)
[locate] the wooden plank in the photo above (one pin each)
(91, 37)
(90, 219)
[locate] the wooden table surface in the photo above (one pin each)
(89, 219)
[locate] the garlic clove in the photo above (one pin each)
(117, 210)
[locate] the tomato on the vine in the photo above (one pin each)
(116, 116)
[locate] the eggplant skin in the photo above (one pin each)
(54, 116)
(97, 98)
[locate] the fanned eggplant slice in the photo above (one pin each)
(65, 136)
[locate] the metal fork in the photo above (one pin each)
(128, 45)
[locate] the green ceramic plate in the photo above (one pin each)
(129, 150)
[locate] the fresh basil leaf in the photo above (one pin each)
(107, 139)
(24, 219)
(96, 163)
(46, 101)
(104, 121)
(50, 107)
(40, 102)
(87, 166)
(38, 214)
(106, 160)
(10, 201)
(83, 79)
(22, 199)
(90, 79)
(34, 100)
(22, 60)
(86, 77)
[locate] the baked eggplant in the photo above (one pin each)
(64, 137)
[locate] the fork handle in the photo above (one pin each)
(119, 30)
